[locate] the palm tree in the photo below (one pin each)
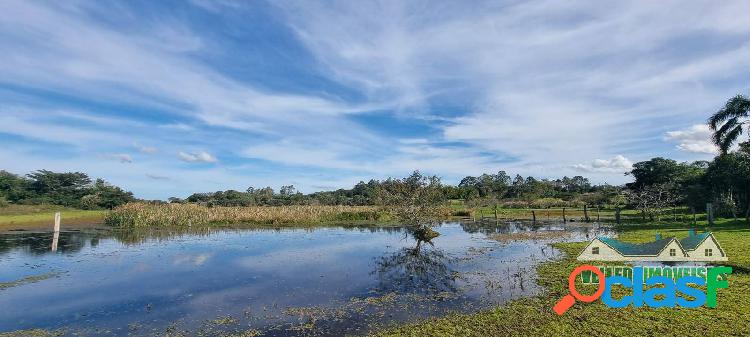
(727, 123)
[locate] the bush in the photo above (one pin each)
(548, 202)
(514, 204)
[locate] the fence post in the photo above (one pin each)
(56, 235)
(564, 219)
(585, 213)
(495, 212)
(533, 215)
(617, 215)
(597, 213)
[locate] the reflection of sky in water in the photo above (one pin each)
(112, 279)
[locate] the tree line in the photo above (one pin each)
(496, 187)
(70, 189)
(658, 183)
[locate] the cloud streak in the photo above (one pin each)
(197, 157)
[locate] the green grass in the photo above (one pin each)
(534, 316)
(19, 216)
(605, 213)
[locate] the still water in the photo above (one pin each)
(280, 282)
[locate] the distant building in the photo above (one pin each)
(696, 247)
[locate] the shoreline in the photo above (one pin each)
(534, 316)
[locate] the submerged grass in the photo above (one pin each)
(176, 215)
(27, 280)
(534, 316)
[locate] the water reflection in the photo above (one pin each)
(415, 270)
(40, 243)
(152, 280)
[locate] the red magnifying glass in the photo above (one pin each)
(566, 302)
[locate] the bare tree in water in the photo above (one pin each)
(417, 200)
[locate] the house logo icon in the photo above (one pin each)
(694, 248)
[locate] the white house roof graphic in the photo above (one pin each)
(695, 247)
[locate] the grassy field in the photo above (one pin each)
(534, 316)
(40, 217)
(604, 213)
(177, 215)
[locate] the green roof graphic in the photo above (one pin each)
(632, 249)
(692, 242)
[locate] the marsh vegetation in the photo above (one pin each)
(180, 215)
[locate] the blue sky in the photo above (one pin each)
(169, 98)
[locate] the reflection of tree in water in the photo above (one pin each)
(416, 270)
(41, 243)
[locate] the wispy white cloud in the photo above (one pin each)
(197, 157)
(530, 87)
(121, 157)
(145, 149)
(547, 82)
(156, 177)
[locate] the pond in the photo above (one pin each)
(278, 282)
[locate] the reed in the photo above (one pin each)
(175, 215)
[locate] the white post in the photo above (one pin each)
(56, 235)
(57, 222)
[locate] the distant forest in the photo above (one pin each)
(72, 189)
(658, 183)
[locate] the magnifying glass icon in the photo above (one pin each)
(566, 302)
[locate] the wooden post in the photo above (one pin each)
(617, 215)
(57, 221)
(710, 213)
(585, 213)
(495, 212)
(533, 215)
(56, 235)
(564, 219)
(597, 213)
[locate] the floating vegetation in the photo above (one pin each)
(228, 320)
(33, 333)
(171, 215)
(28, 280)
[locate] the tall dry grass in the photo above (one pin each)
(169, 215)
